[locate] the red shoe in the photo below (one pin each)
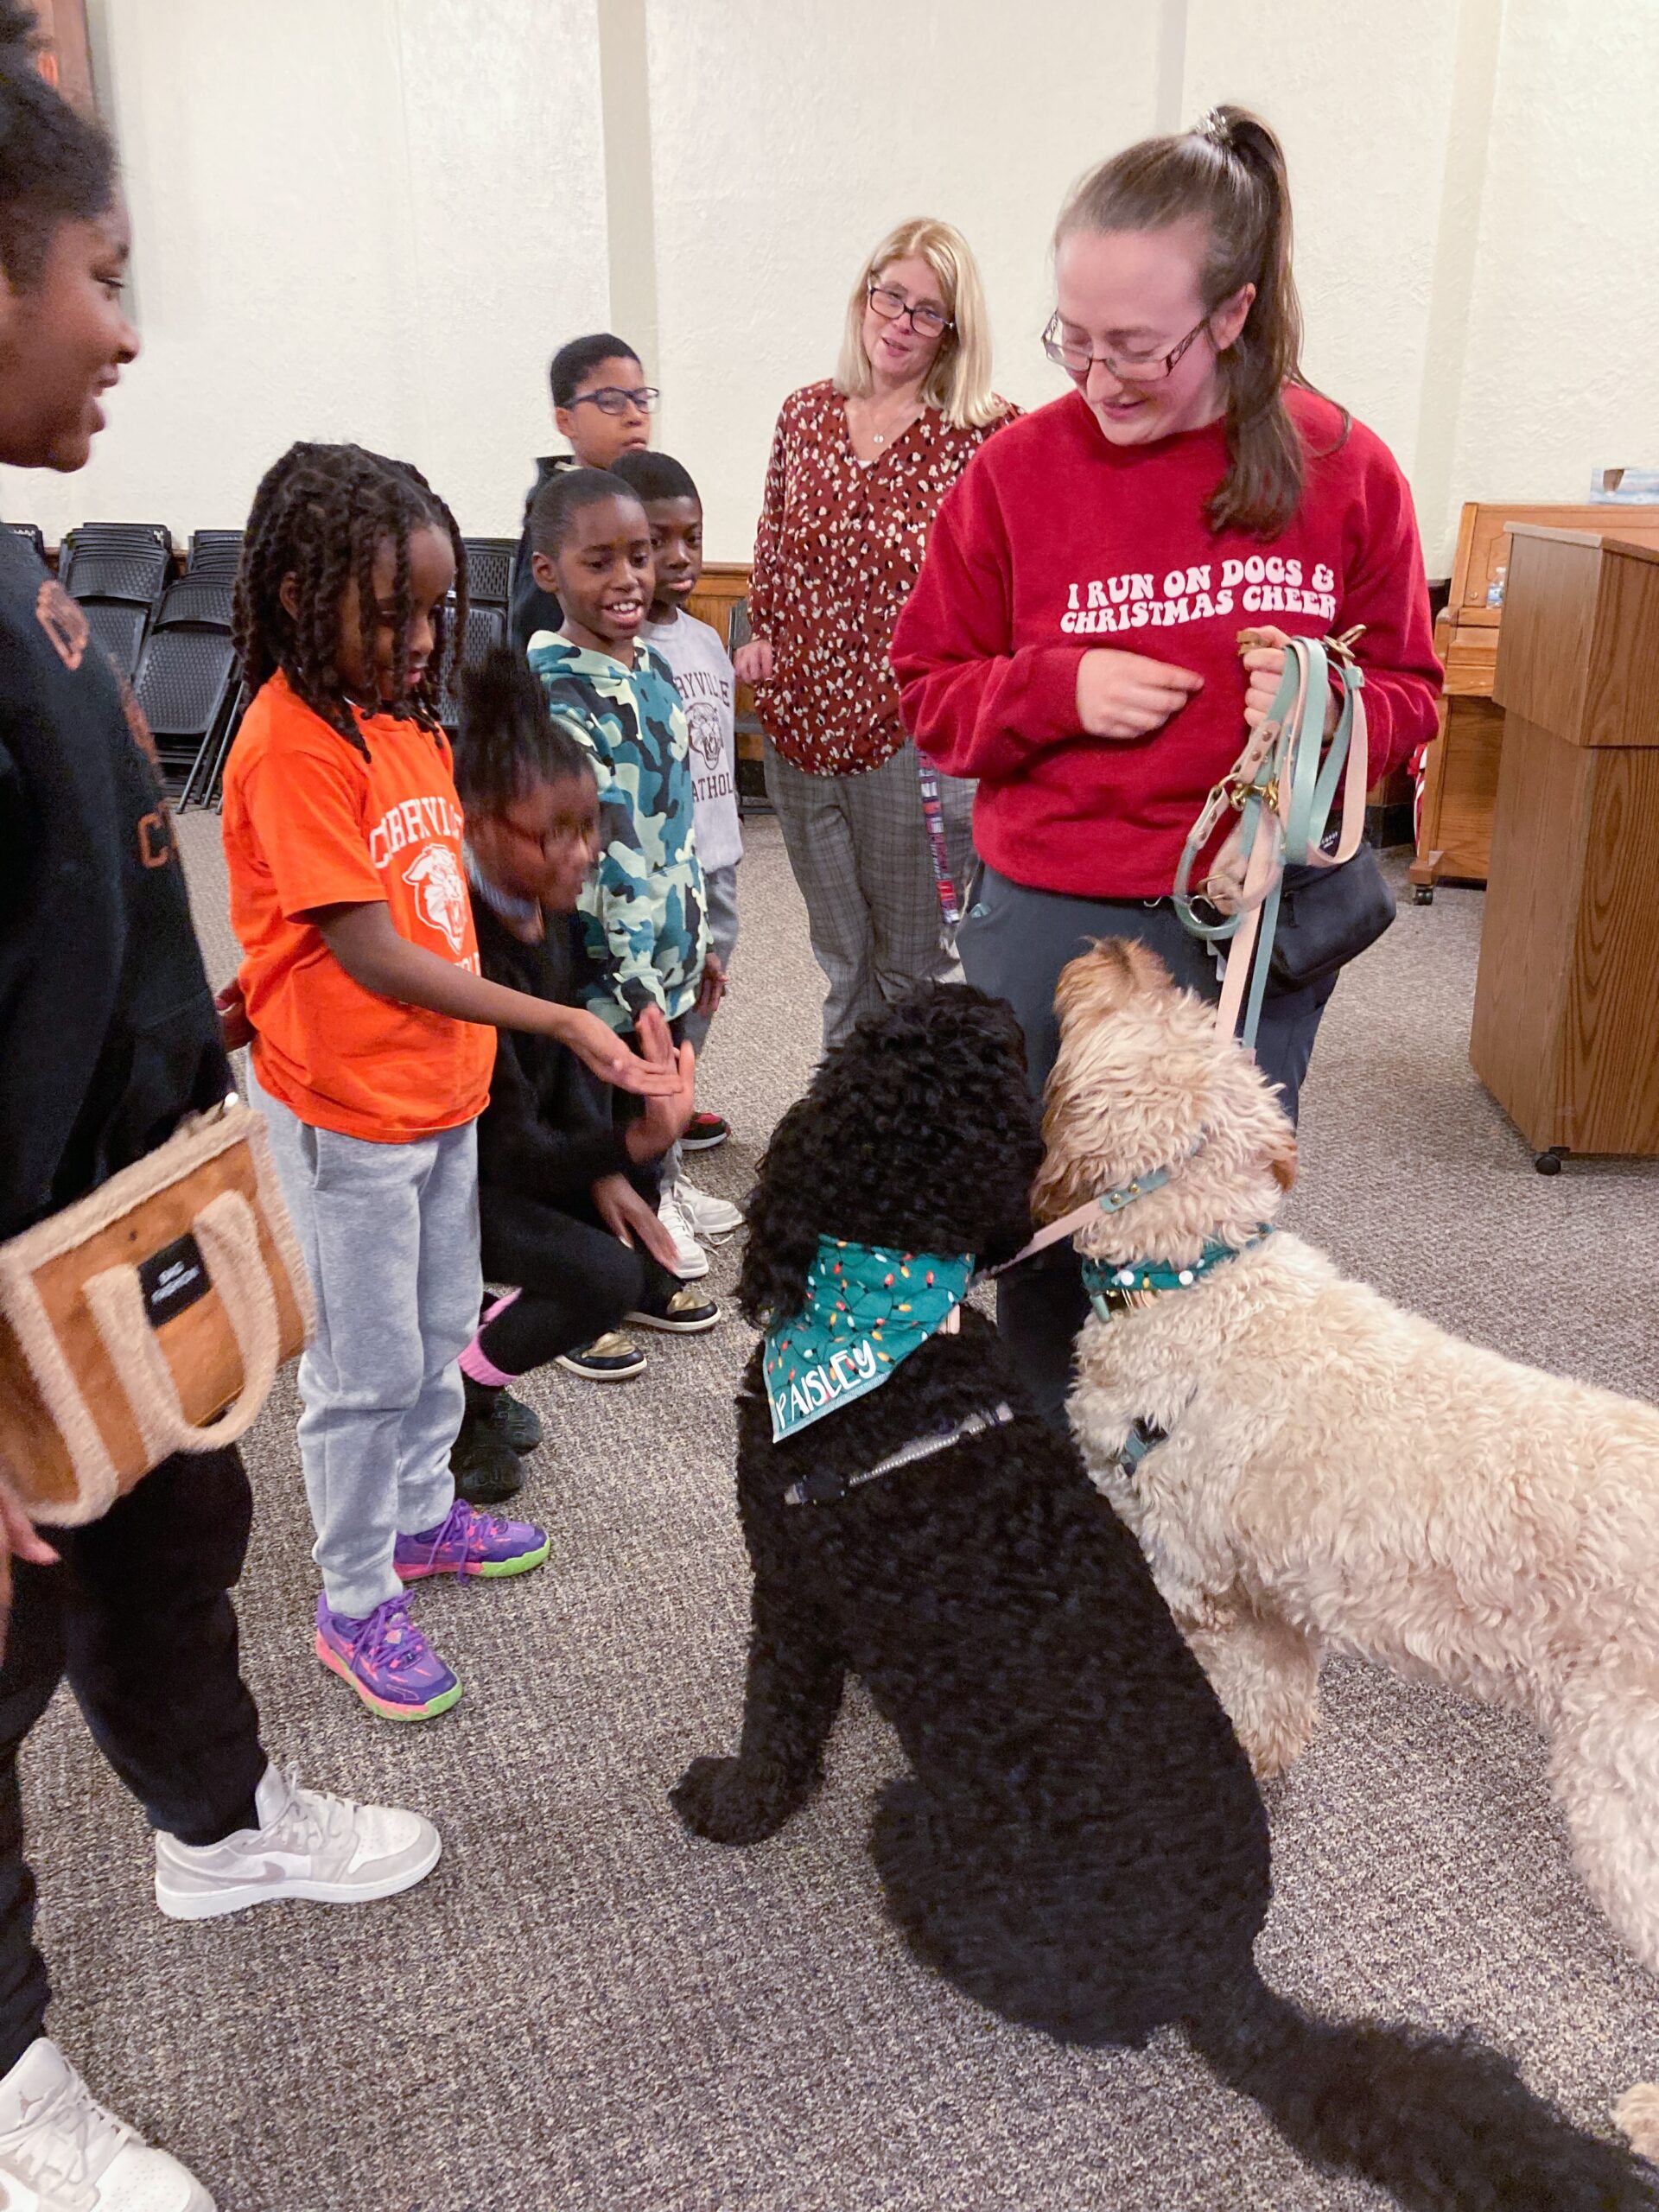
(704, 1131)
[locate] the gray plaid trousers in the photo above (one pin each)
(858, 847)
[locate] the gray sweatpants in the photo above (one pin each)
(390, 1235)
(858, 847)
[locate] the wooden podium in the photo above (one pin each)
(1566, 1006)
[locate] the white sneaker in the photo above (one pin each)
(306, 1844)
(61, 2151)
(707, 1215)
(692, 1262)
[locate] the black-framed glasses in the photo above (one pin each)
(894, 307)
(1077, 361)
(613, 399)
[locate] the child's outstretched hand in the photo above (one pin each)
(635, 1220)
(599, 1047)
(664, 1120)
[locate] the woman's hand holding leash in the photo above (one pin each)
(1263, 651)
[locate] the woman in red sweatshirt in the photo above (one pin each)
(1072, 638)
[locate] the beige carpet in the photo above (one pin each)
(584, 2009)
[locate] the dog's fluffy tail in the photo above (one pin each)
(1439, 2121)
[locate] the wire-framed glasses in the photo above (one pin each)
(1127, 368)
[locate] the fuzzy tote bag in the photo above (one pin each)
(149, 1317)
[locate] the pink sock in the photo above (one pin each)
(475, 1362)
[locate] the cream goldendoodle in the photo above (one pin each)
(1309, 1468)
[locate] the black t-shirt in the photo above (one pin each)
(548, 1132)
(107, 1030)
(534, 609)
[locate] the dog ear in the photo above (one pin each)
(1281, 1161)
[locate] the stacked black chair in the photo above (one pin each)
(486, 627)
(208, 787)
(215, 553)
(186, 681)
(31, 532)
(489, 571)
(118, 571)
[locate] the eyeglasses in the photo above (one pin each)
(612, 399)
(1077, 361)
(894, 307)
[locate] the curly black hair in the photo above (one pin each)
(508, 739)
(321, 515)
(919, 1132)
(56, 165)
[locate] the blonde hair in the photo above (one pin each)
(959, 382)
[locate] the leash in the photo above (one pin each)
(1284, 793)
(824, 1487)
(1109, 1202)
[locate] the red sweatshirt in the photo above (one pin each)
(1056, 541)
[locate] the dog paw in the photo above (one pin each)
(726, 1802)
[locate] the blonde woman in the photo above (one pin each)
(859, 463)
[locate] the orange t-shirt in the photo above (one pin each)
(310, 823)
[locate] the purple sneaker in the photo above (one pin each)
(387, 1661)
(470, 1542)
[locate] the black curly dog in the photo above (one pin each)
(1080, 1845)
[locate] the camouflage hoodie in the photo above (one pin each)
(643, 908)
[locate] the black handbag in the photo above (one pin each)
(1327, 916)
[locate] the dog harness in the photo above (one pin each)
(1114, 1290)
(868, 1307)
(826, 1487)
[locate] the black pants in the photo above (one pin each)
(1012, 942)
(139, 1616)
(576, 1280)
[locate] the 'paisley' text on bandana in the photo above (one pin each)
(868, 1307)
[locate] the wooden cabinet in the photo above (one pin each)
(1565, 1033)
(1460, 774)
(723, 586)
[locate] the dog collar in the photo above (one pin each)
(868, 1307)
(1114, 1290)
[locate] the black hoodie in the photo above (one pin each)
(534, 609)
(107, 1030)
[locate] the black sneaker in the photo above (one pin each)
(609, 1358)
(704, 1132)
(681, 1313)
(516, 1424)
(485, 1465)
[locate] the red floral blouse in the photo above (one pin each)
(838, 547)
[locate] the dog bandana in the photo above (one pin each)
(867, 1308)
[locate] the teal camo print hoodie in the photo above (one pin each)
(643, 909)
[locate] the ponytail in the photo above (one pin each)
(1228, 173)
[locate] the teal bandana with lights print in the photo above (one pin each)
(868, 1307)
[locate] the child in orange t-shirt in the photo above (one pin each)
(373, 1032)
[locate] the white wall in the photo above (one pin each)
(787, 139)
(353, 219)
(1561, 373)
(374, 218)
